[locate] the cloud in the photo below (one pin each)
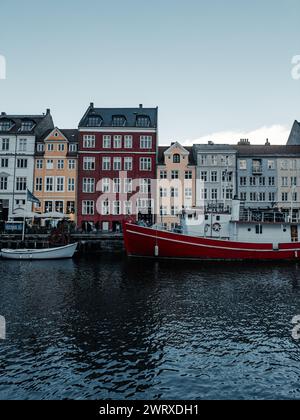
(277, 134)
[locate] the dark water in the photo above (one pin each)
(114, 328)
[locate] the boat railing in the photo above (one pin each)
(249, 215)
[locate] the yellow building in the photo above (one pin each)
(55, 175)
(176, 179)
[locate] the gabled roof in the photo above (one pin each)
(272, 151)
(130, 115)
(41, 123)
(174, 146)
(71, 135)
(163, 149)
(294, 138)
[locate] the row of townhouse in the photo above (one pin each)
(111, 167)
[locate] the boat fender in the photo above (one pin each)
(156, 251)
(216, 227)
(206, 228)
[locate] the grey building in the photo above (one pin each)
(216, 175)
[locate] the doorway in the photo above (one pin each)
(294, 233)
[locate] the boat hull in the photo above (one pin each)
(63, 252)
(148, 242)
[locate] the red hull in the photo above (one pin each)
(147, 242)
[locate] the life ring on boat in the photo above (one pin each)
(217, 227)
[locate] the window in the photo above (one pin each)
(271, 182)
(50, 164)
(262, 181)
(256, 166)
(70, 207)
(60, 164)
(49, 184)
(118, 121)
(116, 208)
(203, 176)
(27, 125)
(253, 196)
(145, 142)
(59, 206)
(174, 210)
(106, 142)
(145, 164)
(176, 158)
(258, 229)
(5, 145)
(175, 174)
(163, 175)
(117, 142)
(143, 121)
(128, 142)
(89, 142)
(127, 207)
(243, 165)
(272, 197)
(293, 181)
(243, 196)
(163, 192)
(284, 181)
(145, 186)
(71, 164)
(128, 164)
(4, 163)
(294, 196)
(203, 160)
(88, 185)
(106, 164)
(94, 121)
(284, 165)
(243, 181)
(117, 164)
(5, 125)
(226, 176)
(262, 196)
(40, 147)
(128, 186)
(204, 194)
(21, 184)
(284, 196)
(227, 193)
(214, 194)
(174, 192)
(22, 163)
(88, 163)
(39, 184)
(188, 175)
(23, 145)
(106, 185)
(271, 164)
(188, 193)
(60, 184)
(105, 208)
(88, 207)
(214, 160)
(252, 181)
(50, 147)
(48, 206)
(61, 147)
(39, 164)
(214, 176)
(3, 183)
(72, 149)
(117, 185)
(163, 210)
(71, 184)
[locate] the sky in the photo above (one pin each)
(218, 70)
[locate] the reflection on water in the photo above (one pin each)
(115, 328)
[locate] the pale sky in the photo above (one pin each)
(217, 70)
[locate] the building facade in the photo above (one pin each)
(55, 173)
(216, 175)
(117, 164)
(176, 184)
(18, 134)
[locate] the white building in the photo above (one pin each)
(18, 134)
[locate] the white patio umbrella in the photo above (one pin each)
(24, 215)
(53, 215)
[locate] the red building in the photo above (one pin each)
(117, 166)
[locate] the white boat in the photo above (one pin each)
(67, 251)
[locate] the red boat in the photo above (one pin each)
(259, 236)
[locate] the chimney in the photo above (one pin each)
(141, 106)
(244, 142)
(92, 105)
(3, 113)
(210, 143)
(48, 111)
(267, 143)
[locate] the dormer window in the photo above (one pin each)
(176, 158)
(94, 121)
(118, 121)
(5, 125)
(27, 125)
(143, 121)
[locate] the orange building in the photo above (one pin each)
(55, 175)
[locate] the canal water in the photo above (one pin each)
(111, 328)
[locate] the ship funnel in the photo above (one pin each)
(235, 213)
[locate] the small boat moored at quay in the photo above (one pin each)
(62, 252)
(236, 235)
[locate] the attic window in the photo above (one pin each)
(118, 121)
(27, 125)
(143, 121)
(176, 158)
(94, 122)
(5, 125)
